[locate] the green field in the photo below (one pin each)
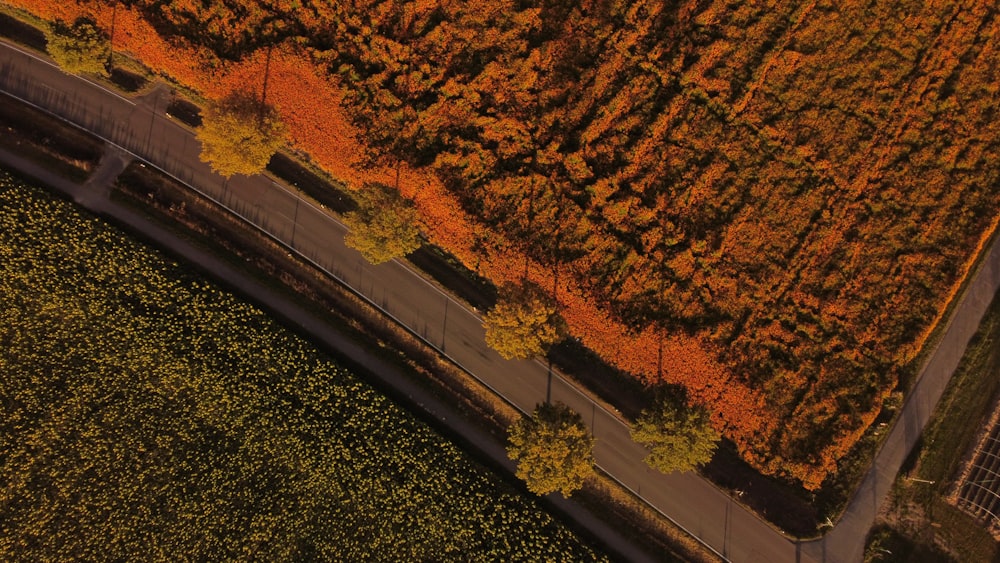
(149, 415)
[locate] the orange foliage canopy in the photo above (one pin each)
(769, 204)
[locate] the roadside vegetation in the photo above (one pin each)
(239, 135)
(524, 323)
(553, 449)
(79, 47)
(918, 522)
(129, 382)
(42, 138)
(383, 226)
(680, 437)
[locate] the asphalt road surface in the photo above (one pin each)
(142, 129)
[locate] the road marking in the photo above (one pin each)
(19, 49)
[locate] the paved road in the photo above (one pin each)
(141, 127)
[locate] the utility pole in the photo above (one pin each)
(111, 42)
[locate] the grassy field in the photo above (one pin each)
(150, 415)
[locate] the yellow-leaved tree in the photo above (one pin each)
(680, 436)
(384, 226)
(524, 323)
(553, 449)
(80, 47)
(239, 135)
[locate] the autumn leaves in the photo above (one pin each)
(239, 135)
(554, 449)
(80, 47)
(524, 323)
(384, 226)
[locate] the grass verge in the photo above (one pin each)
(919, 519)
(47, 141)
(19, 29)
